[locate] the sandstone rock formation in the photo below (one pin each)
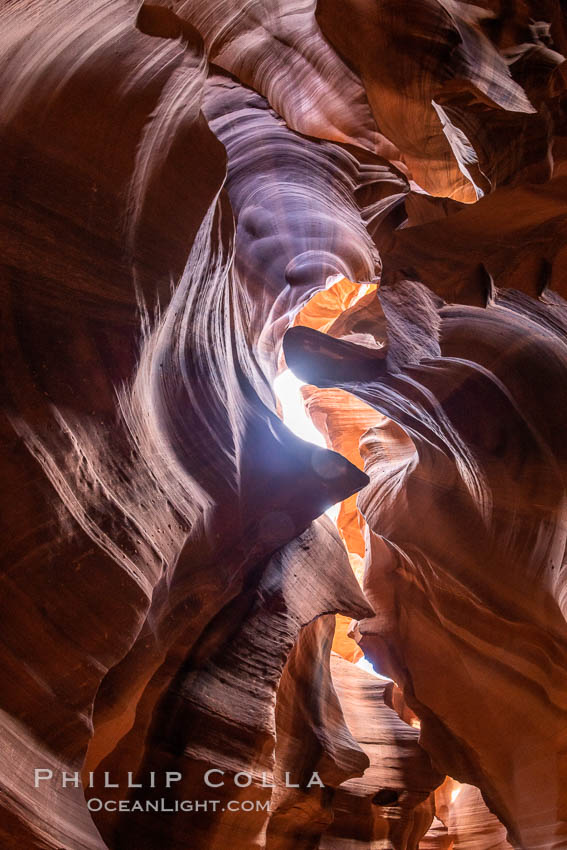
(196, 195)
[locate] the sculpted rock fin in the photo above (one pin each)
(162, 22)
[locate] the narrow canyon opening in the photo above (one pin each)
(283, 369)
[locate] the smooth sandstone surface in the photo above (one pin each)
(196, 195)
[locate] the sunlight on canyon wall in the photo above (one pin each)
(284, 355)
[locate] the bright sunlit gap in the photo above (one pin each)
(365, 664)
(288, 390)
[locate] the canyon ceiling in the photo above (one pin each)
(195, 196)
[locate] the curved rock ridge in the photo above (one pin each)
(465, 540)
(528, 255)
(217, 712)
(277, 48)
(465, 105)
(137, 475)
(392, 803)
(463, 821)
(311, 735)
(195, 195)
(342, 419)
(303, 210)
(81, 199)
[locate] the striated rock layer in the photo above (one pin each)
(194, 196)
(465, 540)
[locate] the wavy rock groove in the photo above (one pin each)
(221, 623)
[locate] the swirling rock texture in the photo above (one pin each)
(463, 820)
(192, 192)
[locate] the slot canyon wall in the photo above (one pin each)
(195, 196)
